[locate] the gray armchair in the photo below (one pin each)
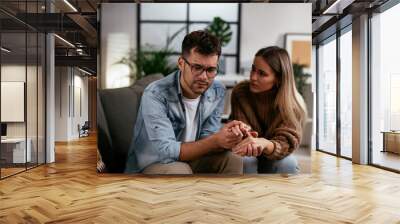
(116, 116)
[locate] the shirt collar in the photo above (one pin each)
(178, 82)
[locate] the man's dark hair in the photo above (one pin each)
(203, 42)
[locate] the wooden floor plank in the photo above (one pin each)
(70, 191)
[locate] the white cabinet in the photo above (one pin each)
(17, 147)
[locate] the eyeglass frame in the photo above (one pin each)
(203, 69)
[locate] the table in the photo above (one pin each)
(391, 141)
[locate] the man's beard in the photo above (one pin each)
(199, 87)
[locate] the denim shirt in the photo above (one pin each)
(161, 122)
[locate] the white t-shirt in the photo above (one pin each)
(190, 131)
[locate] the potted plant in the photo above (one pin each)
(150, 60)
(300, 77)
(222, 30)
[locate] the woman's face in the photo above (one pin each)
(262, 78)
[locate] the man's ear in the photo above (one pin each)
(181, 63)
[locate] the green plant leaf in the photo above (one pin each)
(300, 77)
(221, 29)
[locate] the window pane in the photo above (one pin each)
(346, 94)
(41, 98)
(156, 35)
(230, 65)
(230, 48)
(13, 86)
(206, 11)
(31, 101)
(327, 97)
(163, 11)
(32, 90)
(385, 84)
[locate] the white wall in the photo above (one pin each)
(67, 117)
(80, 83)
(266, 24)
(118, 36)
(61, 103)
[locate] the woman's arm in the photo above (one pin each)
(253, 146)
(285, 139)
(284, 142)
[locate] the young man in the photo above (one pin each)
(178, 127)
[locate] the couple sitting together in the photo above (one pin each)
(178, 128)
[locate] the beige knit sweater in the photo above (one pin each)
(257, 110)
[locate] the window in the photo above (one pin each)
(326, 130)
(385, 89)
(346, 93)
(22, 75)
(334, 94)
(159, 20)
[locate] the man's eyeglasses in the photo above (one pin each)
(258, 71)
(197, 69)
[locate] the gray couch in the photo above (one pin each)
(116, 116)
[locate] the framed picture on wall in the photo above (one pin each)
(12, 101)
(298, 46)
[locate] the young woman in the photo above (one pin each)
(270, 103)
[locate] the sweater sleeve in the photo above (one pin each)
(236, 112)
(237, 96)
(286, 139)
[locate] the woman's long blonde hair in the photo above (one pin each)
(288, 102)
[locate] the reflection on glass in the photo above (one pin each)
(41, 98)
(22, 92)
(13, 87)
(385, 86)
(327, 97)
(346, 94)
(31, 101)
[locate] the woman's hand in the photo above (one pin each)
(240, 129)
(231, 134)
(253, 146)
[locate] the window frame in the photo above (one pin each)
(187, 24)
(334, 37)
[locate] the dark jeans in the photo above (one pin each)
(264, 165)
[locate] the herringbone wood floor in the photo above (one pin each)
(70, 191)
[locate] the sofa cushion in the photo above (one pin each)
(120, 108)
(104, 143)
